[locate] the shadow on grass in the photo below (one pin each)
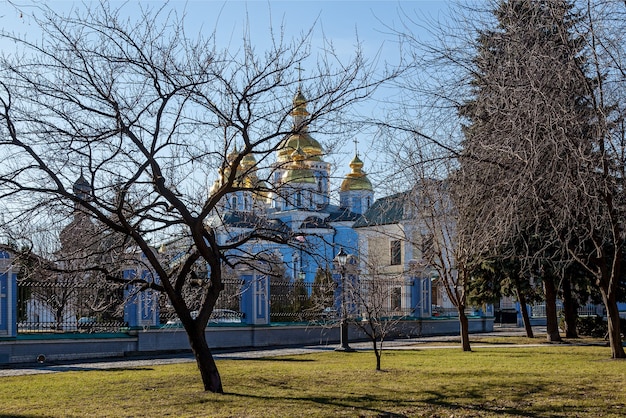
(280, 360)
(352, 403)
(506, 399)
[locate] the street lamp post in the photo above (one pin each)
(341, 260)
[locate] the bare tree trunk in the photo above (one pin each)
(552, 322)
(378, 353)
(521, 297)
(615, 335)
(206, 364)
(464, 323)
(570, 310)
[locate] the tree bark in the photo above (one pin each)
(378, 355)
(570, 310)
(464, 324)
(552, 322)
(206, 364)
(615, 334)
(521, 297)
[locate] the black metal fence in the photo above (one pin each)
(322, 301)
(227, 308)
(69, 306)
(299, 301)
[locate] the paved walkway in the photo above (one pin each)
(122, 363)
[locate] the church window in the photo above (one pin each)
(396, 252)
(233, 203)
(299, 199)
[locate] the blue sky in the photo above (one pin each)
(339, 21)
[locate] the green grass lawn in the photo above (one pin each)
(550, 381)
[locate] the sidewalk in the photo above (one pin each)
(141, 361)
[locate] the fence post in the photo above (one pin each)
(141, 307)
(8, 296)
(255, 298)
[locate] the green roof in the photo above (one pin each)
(384, 211)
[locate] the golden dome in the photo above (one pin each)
(299, 105)
(311, 147)
(357, 179)
(297, 171)
(246, 175)
(298, 175)
(248, 161)
(298, 155)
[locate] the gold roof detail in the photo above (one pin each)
(246, 176)
(357, 179)
(311, 147)
(297, 172)
(299, 105)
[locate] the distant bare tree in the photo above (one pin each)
(147, 114)
(450, 253)
(372, 295)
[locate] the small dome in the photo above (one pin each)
(297, 171)
(310, 146)
(246, 175)
(82, 188)
(248, 161)
(357, 179)
(217, 183)
(299, 99)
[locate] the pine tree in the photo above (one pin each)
(529, 138)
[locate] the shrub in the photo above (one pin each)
(592, 326)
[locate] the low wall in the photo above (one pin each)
(57, 348)
(26, 348)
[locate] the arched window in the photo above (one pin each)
(233, 203)
(299, 199)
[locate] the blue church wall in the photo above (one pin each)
(313, 252)
(255, 299)
(141, 307)
(421, 301)
(8, 297)
(347, 238)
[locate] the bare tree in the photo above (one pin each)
(538, 86)
(372, 296)
(450, 252)
(146, 114)
(562, 189)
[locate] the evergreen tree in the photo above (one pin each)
(529, 127)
